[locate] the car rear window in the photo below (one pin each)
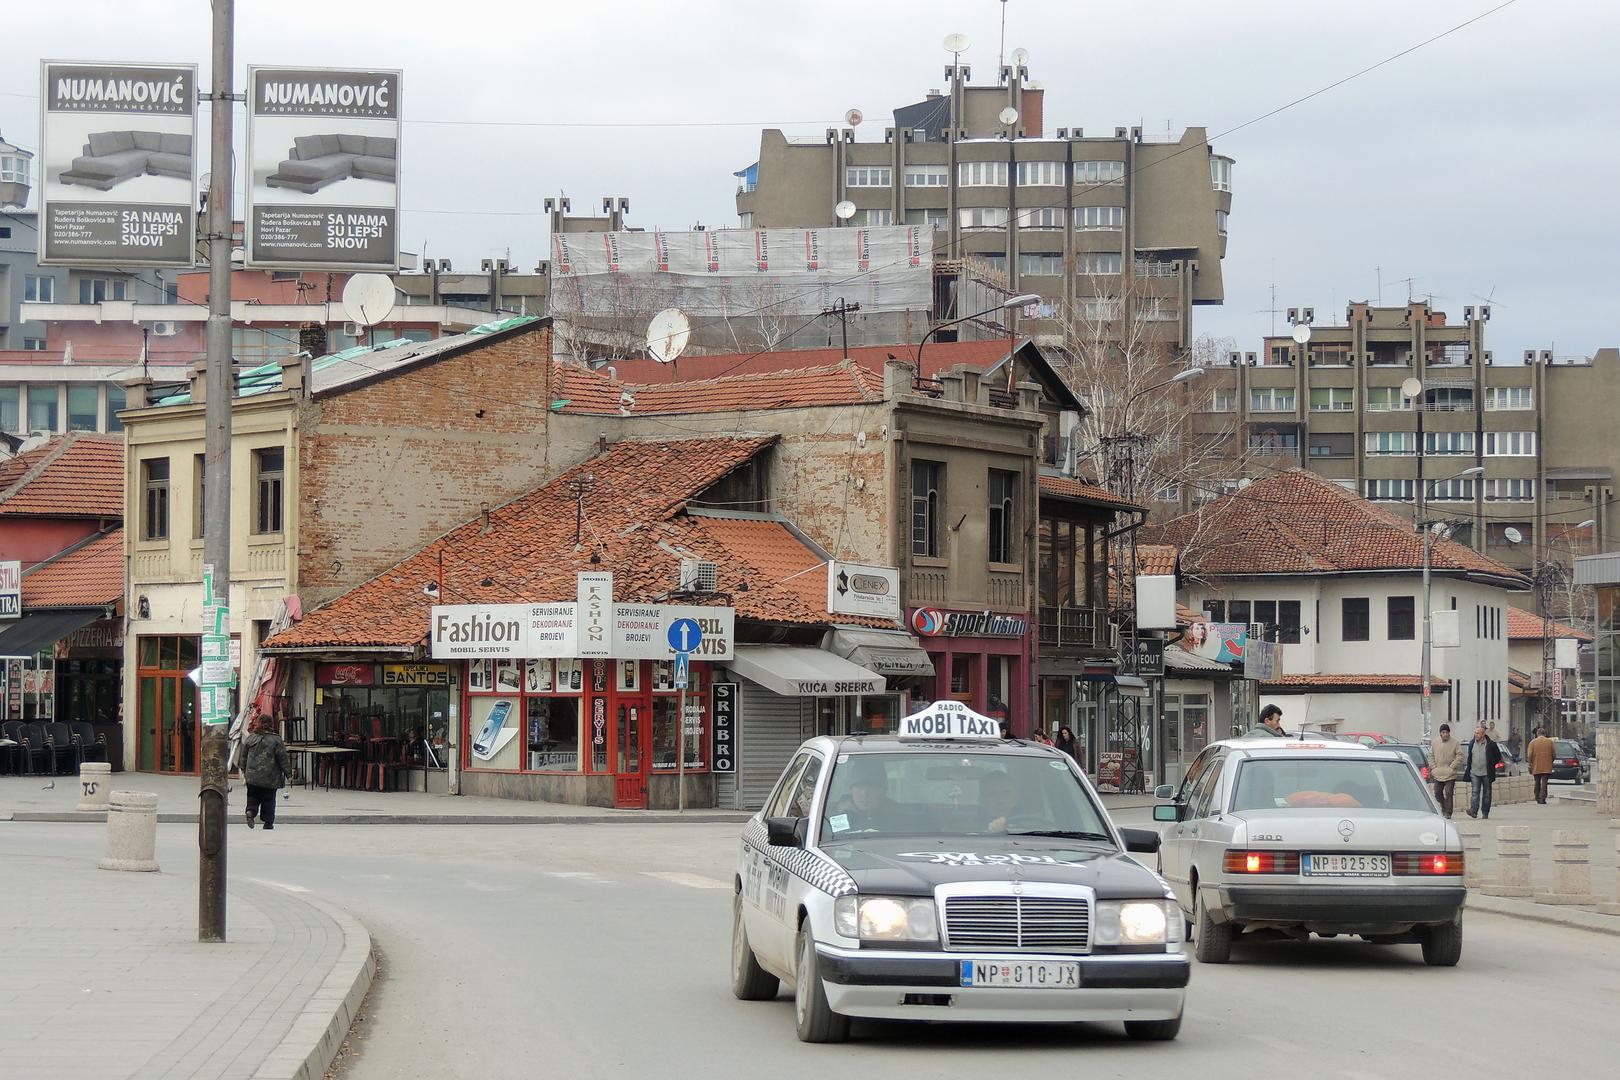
(1564, 748)
(1341, 783)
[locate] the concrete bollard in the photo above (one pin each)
(1572, 871)
(95, 785)
(1512, 861)
(1612, 907)
(131, 831)
(1473, 869)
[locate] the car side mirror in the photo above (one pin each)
(1167, 812)
(783, 832)
(1165, 791)
(1145, 841)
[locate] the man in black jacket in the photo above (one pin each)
(1480, 759)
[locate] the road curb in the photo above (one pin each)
(284, 818)
(1530, 911)
(312, 1043)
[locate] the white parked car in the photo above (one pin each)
(1309, 837)
(944, 873)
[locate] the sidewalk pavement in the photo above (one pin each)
(104, 978)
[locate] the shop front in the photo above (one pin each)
(89, 682)
(404, 705)
(980, 658)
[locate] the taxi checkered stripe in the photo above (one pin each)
(816, 870)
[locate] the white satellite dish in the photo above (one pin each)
(33, 442)
(1033, 84)
(1009, 116)
(854, 117)
(1020, 56)
(957, 43)
(668, 334)
(845, 210)
(1514, 536)
(1301, 333)
(1412, 388)
(368, 299)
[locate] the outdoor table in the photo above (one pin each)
(316, 749)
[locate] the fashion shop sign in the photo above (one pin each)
(574, 629)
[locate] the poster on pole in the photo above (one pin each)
(118, 164)
(323, 169)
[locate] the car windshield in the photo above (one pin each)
(1295, 782)
(958, 795)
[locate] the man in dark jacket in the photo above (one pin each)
(1480, 759)
(265, 767)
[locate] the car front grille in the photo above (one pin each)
(1017, 924)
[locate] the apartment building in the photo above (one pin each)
(1107, 225)
(1336, 404)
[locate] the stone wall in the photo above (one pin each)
(1606, 770)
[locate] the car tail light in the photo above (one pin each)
(1239, 861)
(1572, 761)
(1427, 863)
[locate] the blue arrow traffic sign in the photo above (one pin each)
(684, 635)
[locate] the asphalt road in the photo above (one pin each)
(600, 951)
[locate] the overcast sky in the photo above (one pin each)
(1483, 165)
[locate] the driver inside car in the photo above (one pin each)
(997, 800)
(868, 807)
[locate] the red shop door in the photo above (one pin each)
(632, 718)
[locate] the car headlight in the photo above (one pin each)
(885, 918)
(1136, 922)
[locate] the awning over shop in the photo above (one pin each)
(31, 633)
(1178, 659)
(800, 671)
(888, 652)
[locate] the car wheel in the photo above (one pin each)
(1212, 943)
(1442, 946)
(749, 981)
(814, 1018)
(1153, 1030)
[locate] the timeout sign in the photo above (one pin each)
(949, 720)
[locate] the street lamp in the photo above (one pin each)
(1006, 305)
(1179, 377)
(1428, 613)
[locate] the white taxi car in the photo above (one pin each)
(1303, 836)
(943, 873)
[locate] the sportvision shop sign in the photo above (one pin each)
(118, 164)
(323, 169)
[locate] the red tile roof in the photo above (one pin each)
(1526, 625)
(1296, 522)
(80, 474)
(938, 358)
(1065, 487)
(583, 390)
(1156, 559)
(633, 520)
(1355, 682)
(87, 576)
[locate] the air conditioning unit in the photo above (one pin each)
(354, 330)
(1257, 631)
(164, 329)
(698, 575)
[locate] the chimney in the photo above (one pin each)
(601, 442)
(198, 377)
(295, 374)
(898, 378)
(137, 393)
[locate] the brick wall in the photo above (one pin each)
(392, 464)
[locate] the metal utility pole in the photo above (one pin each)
(215, 712)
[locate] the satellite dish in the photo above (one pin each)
(1302, 333)
(1514, 536)
(33, 442)
(1009, 116)
(1412, 388)
(368, 299)
(957, 43)
(845, 210)
(668, 334)
(854, 117)
(1020, 57)
(1033, 84)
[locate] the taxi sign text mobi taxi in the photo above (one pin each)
(949, 720)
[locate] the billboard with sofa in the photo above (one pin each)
(323, 169)
(119, 174)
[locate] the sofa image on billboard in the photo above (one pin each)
(316, 161)
(111, 157)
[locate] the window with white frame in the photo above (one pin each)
(97, 290)
(1220, 173)
(746, 219)
(1457, 489)
(33, 344)
(1098, 308)
(868, 176)
(982, 217)
(1220, 222)
(994, 260)
(1448, 442)
(1510, 444)
(936, 216)
(1389, 490)
(1169, 493)
(1509, 398)
(884, 216)
(1387, 399)
(1391, 443)
(1040, 174)
(1160, 309)
(1510, 489)
(39, 289)
(1333, 399)
(981, 174)
(1099, 218)
(1041, 264)
(1099, 262)
(928, 175)
(1099, 172)
(1041, 217)
(1271, 399)
(1223, 401)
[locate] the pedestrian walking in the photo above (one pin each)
(1445, 759)
(1540, 752)
(1065, 742)
(1480, 759)
(265, 768)
(1270, 724)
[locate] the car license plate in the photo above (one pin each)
(1022, 975)
(1322, 865)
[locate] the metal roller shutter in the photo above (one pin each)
(769, 728)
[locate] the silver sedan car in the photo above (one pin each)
(1299, 836)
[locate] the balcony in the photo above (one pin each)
(1072, 628)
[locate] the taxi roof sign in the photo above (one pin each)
(949, 721)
